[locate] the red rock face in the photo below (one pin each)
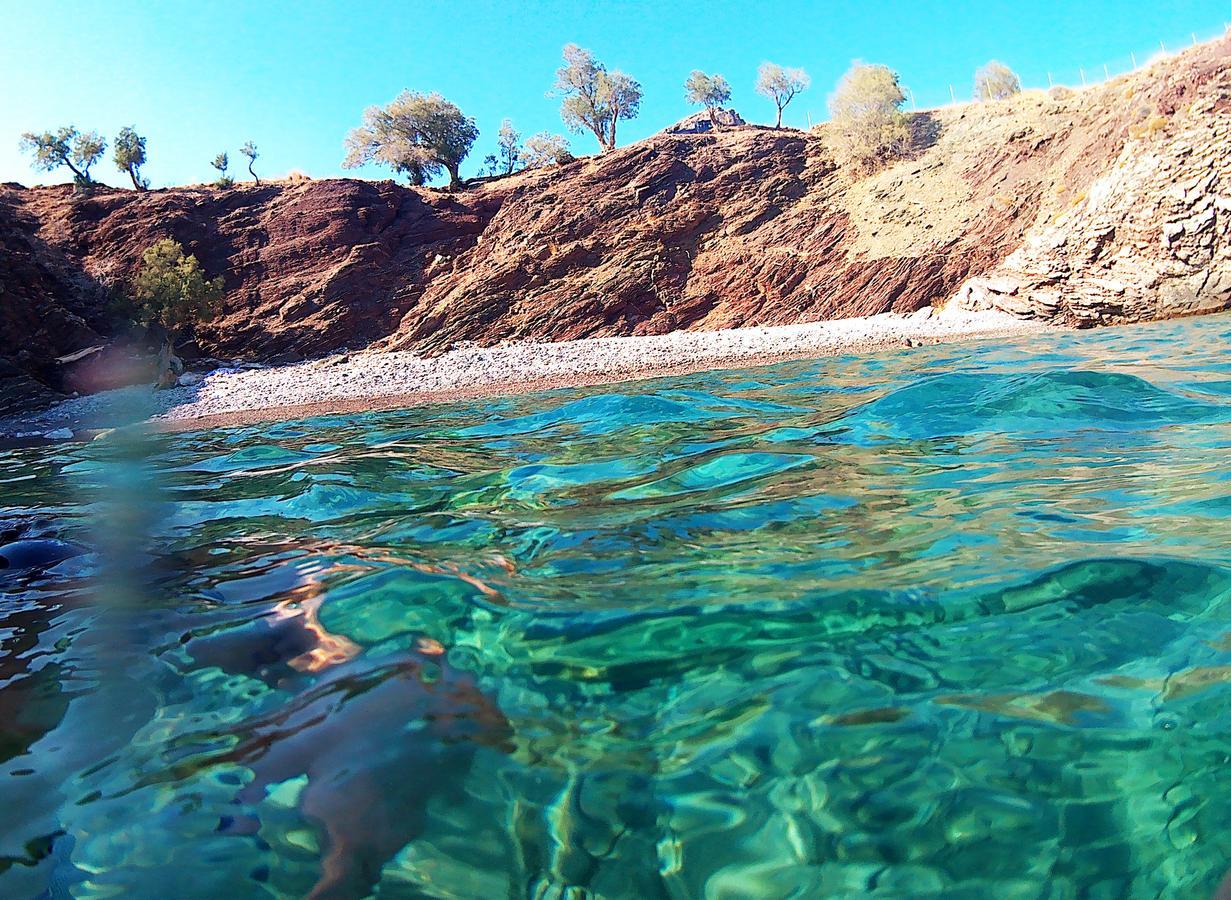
(308, 267)
(744, 227)
(48, 308)
(689, 231)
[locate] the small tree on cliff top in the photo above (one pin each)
(171, 290)
(595, 100)
(65, 147)
(249, 150)
(508, 156)
(780, 85)
(867, 125)
(221, 163)
(996, 81)
(129, 155)
(710, 91)
(417, 135)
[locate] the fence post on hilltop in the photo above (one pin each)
(1106, 74)
(1083, 77)
(952, 96)
(1133, 57)
(1050, 84)
(1163, 45)
(1194, 38)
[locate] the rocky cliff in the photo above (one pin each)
(1082, 207)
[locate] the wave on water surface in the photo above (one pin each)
(940, 623)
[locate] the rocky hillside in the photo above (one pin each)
(1150, 237)
(1083, 207)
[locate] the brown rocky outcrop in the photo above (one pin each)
(1101, 205)
(1151, 237)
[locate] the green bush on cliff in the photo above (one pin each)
(594, 99)
(996, 81)
(66, 146)
(710, 91)
(417, 135)
(171, 291)
(545, 149)
(867, 126)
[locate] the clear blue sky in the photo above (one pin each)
(202, 77)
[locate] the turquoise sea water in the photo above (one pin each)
(950, 622)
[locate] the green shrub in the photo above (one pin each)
(996, 81)
(867, 126)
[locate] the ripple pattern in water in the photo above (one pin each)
(946, 623)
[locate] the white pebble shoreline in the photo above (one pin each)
(355, 381)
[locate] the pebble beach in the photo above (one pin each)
(367, 380)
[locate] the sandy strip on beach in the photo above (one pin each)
(372, 380)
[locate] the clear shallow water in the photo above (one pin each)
(952, 622)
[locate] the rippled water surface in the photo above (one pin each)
(950, 622)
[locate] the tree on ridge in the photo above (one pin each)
(867, 127)
(65, 146)
(508, 153)
(594, 99)
(780, 85)
(249, 150)
(710, 91)
(221, 163)
(996, 81)
(128, 153)
(545, 149)
(417, 135)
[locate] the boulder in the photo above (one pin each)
(699, 123)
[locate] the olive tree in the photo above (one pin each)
(867, 125)
(171, 291)
(780, 85)
(221, 163)
(710, 91)
(65, 147)
(128, 152)
(249, 150)
(545, 149)
(996, 81)
(594, 99)
(508, 155)
(417, 135)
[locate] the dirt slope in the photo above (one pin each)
(746, 226)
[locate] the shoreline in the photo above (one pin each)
(368, 381)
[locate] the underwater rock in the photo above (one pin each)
(415, 724)
(37, 553)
